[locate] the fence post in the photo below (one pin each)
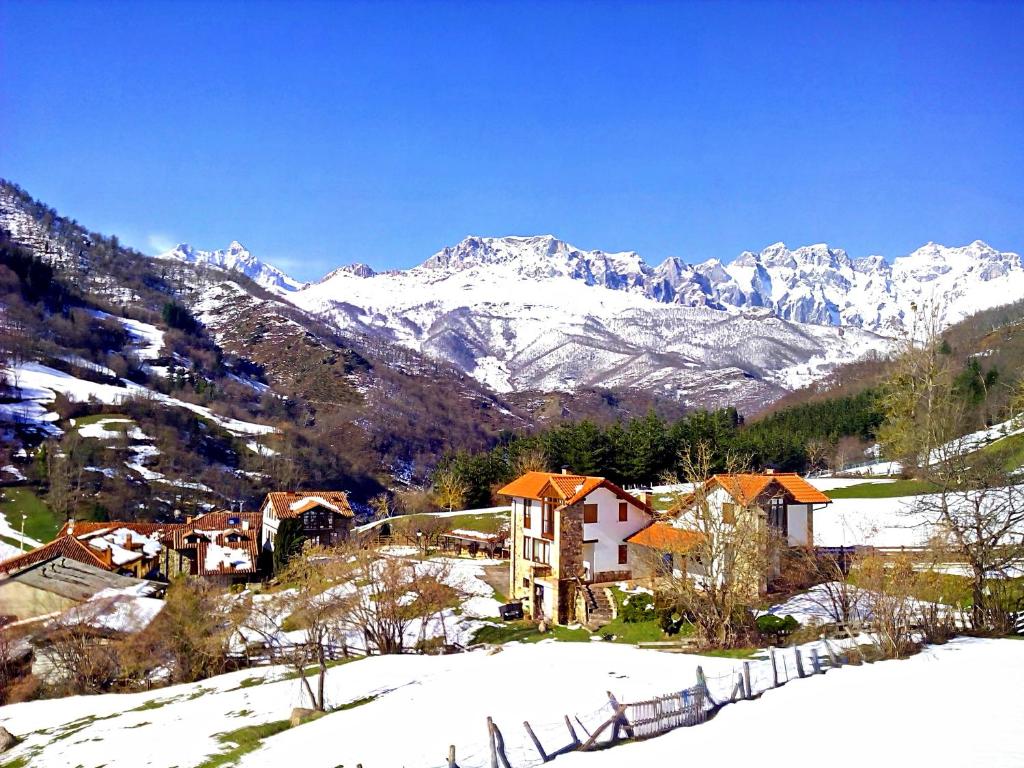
(499, 743)
(775, 668)
(746, 681)
(815, 662)
(702, 683)
(620, 722)
(451, 757)
(494, 751)
(831, 654)
(572, 731)
(799, 663)
(536, 742)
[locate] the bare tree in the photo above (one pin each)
(318, 601)
(977, 507)
(719, 576)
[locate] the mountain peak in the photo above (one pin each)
(236, 258)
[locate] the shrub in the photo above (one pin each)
(778, 627)
(637, 608)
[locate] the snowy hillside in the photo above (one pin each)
(236, 258)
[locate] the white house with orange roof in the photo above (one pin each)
(783, 501)
(568, 532)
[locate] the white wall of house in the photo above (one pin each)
(797, 519)
(608, 532)
(270, 523)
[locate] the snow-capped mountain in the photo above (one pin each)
(237, 258)
(536, 313)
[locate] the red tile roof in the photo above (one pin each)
(65, 546)
(746, 488)
(215, 528)
(665, 538)
(282, 501)
(566, 488)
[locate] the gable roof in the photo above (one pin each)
(82, 528)
(568, 489)
(665, 538)
(79, 581)
(293, 503)
(65, 546)
(745, 488)
(212, 550)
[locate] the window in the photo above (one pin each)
(623, 511)
(590, 513)
(536, 550)
(777, 515)
(547, 522)
(527, 506)
(729, 513)
(623, 554)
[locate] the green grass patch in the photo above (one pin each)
(1009, 451)
(154, 704)
(490, 523)
(241, 741)
(312, 669)
(41, 523)
(882, 490)
(138, 725)
(251, 682)
(353, 704)
(526, 632)
(730, 653)
(96, 418)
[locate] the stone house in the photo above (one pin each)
(568, 532)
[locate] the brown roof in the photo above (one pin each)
(65, 546)
(567, 488)
(215, 528)
(89, 527)
(282, 502)
(665, 538)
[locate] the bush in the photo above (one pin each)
(773, 626)
(637, 608)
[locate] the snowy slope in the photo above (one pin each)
(236, 258)
(424, 703)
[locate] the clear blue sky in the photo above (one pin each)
(321, 134)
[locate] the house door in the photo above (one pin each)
(538, 602)
(588, 562)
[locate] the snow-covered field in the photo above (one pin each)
(957, 704)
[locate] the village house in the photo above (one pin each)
(130, 549)
(218, 546)
(568, 533)
(52, 585)
(325, 516)
(784, 504)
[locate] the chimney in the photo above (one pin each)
(245, 525)
(647, 497)
(71, 526)
(769, 471)
(128, 540)
(565, 469)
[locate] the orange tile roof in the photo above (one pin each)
(83, 528)
(65, 546)
(567, 488)
(281, 501)
(665, 538)
(745, 488)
